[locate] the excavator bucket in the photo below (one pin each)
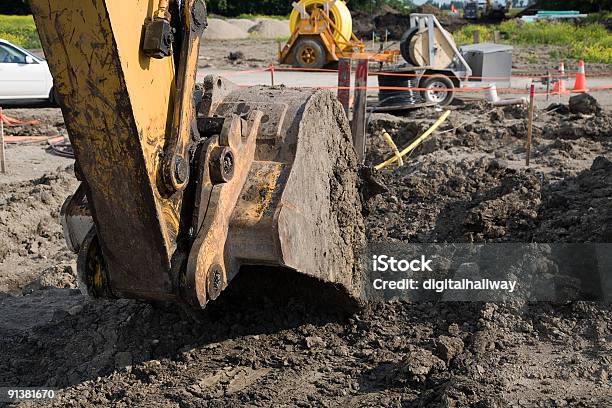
(298, 206)
(180, 193)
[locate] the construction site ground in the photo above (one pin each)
(264, 351)
(261, 53)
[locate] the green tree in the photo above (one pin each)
(236, 7)
(283, 7)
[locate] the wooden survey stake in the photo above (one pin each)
(358, 125)
(2, 154)
(344, 83)
(530, 122)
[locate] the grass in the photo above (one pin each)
(253, 16)
(19, 30)
(279, 39)
(590, 42)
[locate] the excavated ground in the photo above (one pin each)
(468, 183)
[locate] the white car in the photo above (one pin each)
(24, 77)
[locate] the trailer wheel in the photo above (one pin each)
(309, 53)
(438, 90)
(405, 44)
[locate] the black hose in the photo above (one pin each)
(403, 97)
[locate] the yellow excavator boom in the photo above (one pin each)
(184, 184)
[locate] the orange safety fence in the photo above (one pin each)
(272, 69)
(467, 89)
(9, 121)
(539, 75)
(517, 76)
(17, 139)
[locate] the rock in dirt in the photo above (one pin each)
(314, 342)
(54, 277)
(449, 347)
(235, 56)
(585, 104)
(420, 362)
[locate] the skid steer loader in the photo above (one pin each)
(184, 184)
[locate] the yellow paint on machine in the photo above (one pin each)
(119, 113)
(151, 86)
(150, 81)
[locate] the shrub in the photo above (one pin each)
(20, 30)
(591, 42)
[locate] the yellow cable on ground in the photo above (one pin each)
(416, 143)
(338, 12)
(393, 147)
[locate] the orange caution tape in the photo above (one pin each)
(468, 89)
(16, 139)
(567, 74)
(12, 121)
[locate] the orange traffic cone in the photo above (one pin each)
(580, 85)
(560, 87)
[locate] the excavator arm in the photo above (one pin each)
(183, 185)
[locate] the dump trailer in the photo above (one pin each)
(185, 184)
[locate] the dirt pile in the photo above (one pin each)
(392, 23)
(265, 353)
(585, 104)
(363, 25)
(395, 24)
(30, 233)
(467, 183)
(242, 23)
(475, 202)
(222, 30)
(270, 29)
(486, 201)
(238, 29)
(578, 209)
(483, 192)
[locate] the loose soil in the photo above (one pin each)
(240, 29)
(222, 30)
(468, 183)
(394, 24)
(271, 29)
